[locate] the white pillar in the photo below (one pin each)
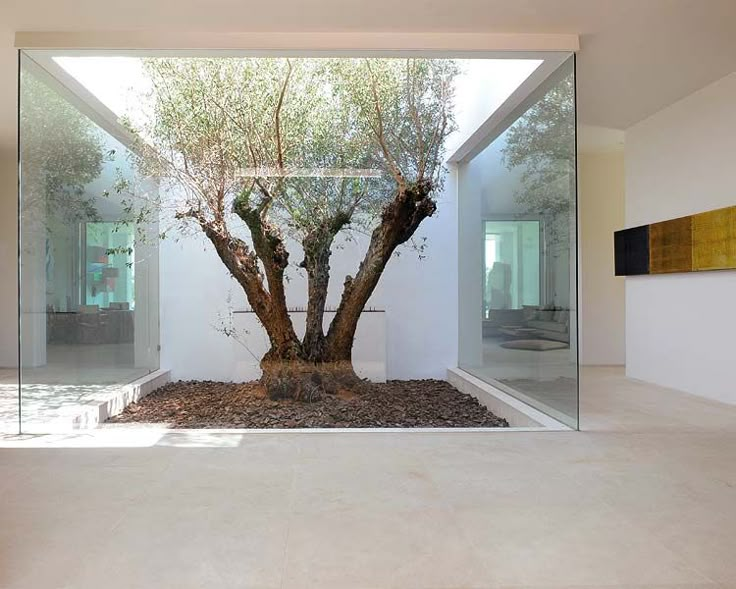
(470, 269)
(34, 244)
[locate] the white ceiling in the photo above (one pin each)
(636, 56)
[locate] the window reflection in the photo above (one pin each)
(89, 279)
(520, 191)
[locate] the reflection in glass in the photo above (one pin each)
(89, 275)
(108, 276)
(511, 262)
(517, 222)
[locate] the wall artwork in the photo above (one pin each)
(696, 243)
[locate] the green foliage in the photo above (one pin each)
(268, 134)
(542, 143)
(405, 106)
(61, 152)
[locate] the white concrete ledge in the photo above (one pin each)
(91, 416)
(516, 412)
(147, 436)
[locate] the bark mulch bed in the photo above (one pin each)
(397, 403)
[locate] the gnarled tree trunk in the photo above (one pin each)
(319, 364)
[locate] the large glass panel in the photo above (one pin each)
(89, 273)
(89, 307)
(517, 223)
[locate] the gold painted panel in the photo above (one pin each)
(671, 246)
(714, 240)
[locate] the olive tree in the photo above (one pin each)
(300, 149)
(61, 151)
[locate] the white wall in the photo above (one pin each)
(8, 203)
(602, 300)
(680, 328)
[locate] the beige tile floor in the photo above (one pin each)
(644, 498)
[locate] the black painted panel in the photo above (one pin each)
(631, 251)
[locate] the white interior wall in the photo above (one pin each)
(602, 308)
(680, 327)
(8, 202)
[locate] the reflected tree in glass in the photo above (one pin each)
(61, 152)
(542, 145)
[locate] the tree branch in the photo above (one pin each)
(379, 133)
(279, 105)
(399, 221)
(317, 246)
(270, 250)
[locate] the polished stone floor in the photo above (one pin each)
(644, 498)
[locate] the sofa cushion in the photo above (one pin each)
(562, 316)
(529, 312)
(536, 345)
(548, 326)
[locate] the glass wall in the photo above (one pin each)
(518, 254)
(89, 273)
